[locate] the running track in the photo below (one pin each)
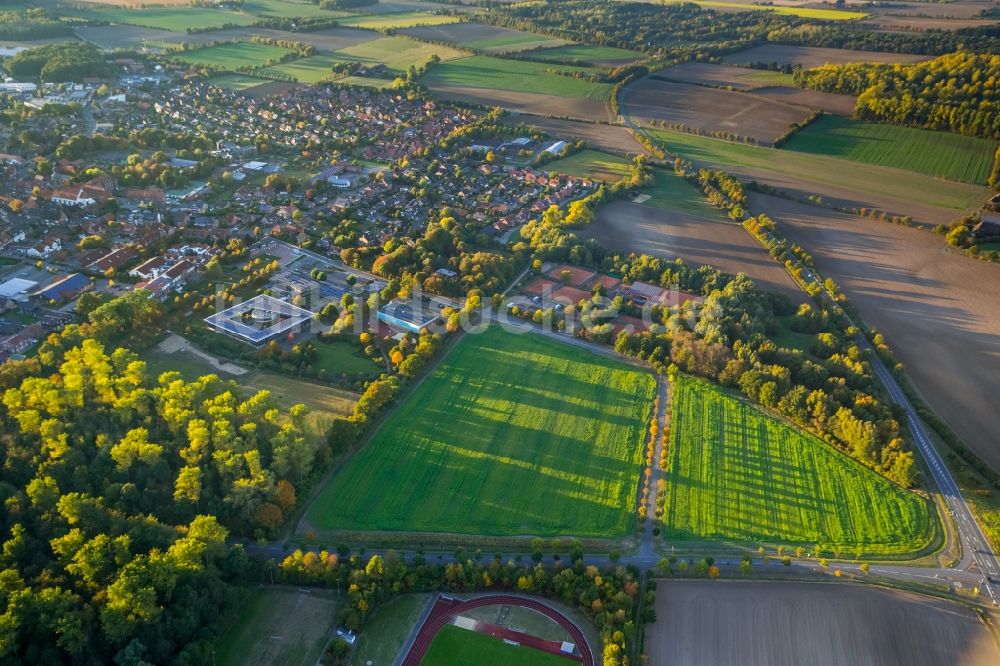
(446, 608)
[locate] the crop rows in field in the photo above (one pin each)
(517, 76)
(735, 473)
(963, 158)
(511, 434)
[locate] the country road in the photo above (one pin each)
(975, 547)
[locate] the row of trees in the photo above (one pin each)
(959, 92)
(609, 598)
(829, 389)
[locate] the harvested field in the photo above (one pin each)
(812, 56)
(510, 434)
(270, 630)
(482, 37)
(525, 102)
(841, 105)
(771, 623)
(121, 36)
(707, 74)
(623, 225)
(712, 110)
(954, 10)
(605, 137)
(330, 39)
(921, 23)
(839, 182)
(939, 309)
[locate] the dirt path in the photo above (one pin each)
(939, 309)
(175, 343)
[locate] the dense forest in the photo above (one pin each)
(959, 92)
(119, 492)
(57, 63)
(31, 24)
(688, 30)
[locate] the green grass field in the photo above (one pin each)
(176, 19)
(516, 76)
(343, 357)
(236, 82)
(454, 646)
(397, 20)
(671, 192)
(232, 55)
(510, 434)
(307, 70)
(736, 474)
(804, 12)
(386, 632)
(587, 53)
(592, 164)
(823, 170)
(954, 156)
(289, 9)
(397, 53)
(515, 41)
(279, 627)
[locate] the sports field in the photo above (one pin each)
(589, 54)
(510, 434)
(397, 20)
(736, 474)
(454, 646)
(232, 55)
(516, 76)
(279, 627)
(592, 164)
(673, 193)
(954, 156)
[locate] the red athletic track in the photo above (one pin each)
(446, 608)
(552, 647)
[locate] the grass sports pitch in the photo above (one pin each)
(510, 434)
(454, 646)
(736, 474)
(963, 158)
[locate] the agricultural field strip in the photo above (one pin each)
(736, 473)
